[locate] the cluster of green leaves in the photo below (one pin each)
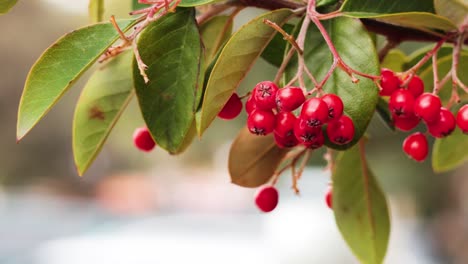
(194, 69)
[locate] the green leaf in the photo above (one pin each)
(235, 61)
(188, 3)
(275, 50)
(171, 47)
(136, 5)
(414, 14)
(394, 60)
(356, 48)
(455, 10)
(215, 32)
(59, 67)
(96, 10)
(375, 8)
(6, 5)
(253, 159)
(101, 103)
(360, 207)
(450, 152)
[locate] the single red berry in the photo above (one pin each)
(335, 106)
(444, 125)
(462, 119)
(261, 122)
(389, 82)
(232, 108)
(265, 95)
(405, 123)
(314, 112)
(317, 141)
(285, 124)
(267, 198)
(401, 103)
(341, 131)
(416, 146)
(288, 141)
(427, 106)
(304, 133)
(416, 86)
(250, 105)
(143, 140)
(289, 98)
(329, 197)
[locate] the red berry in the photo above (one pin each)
(462, 119)
(335, 106)
(267, 198)
(250, 105)
(389, 82)
(401, 103)
(261, 122)
(316, 142)
(265, 95)
(304, 133)
(285, 124)
(232, 108)
(405, 123)
(289, 98)
(314, 112)
(427, 106)
(143, 140)
(288, 141)
(329, 197)
(416, 146)
(416, 86)
(444, 125)
(341, 131)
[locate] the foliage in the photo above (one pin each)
(183, 62)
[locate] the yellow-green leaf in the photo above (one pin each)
(59, 67)
(101, 103)
(455, 10)
(360, 207)
(6, 5)
(215, 32)
(234, 62)
(96, 10)
(450, 152)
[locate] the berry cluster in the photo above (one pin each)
(271, 110)
(409, 105)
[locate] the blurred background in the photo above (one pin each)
(133, 207)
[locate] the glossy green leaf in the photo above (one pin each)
(215, 32)
(101, 103)
(59, 67)
(96, 10)
(455, 10)
(253, 159)
(235, 61)
(274, 51)
(6, 5)
(360, 207)
(171, 47)
(412, 13)
(375, 8)
(356, 48)
(450, 152)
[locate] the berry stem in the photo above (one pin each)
(283, 66)
(293, 156)
(456, 82)
(435, 73)
(315, 18)
(389, 45)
